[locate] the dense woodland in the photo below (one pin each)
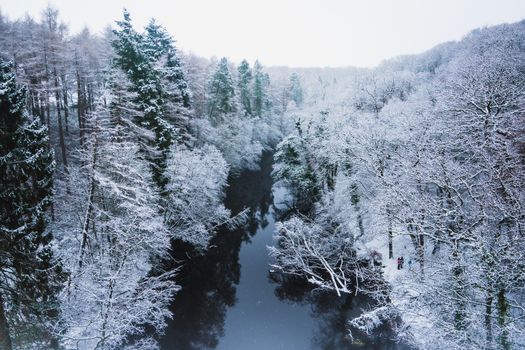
(115, 145)
(422, 157)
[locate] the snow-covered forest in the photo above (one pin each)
(116, 146)
(112, 147)
(420, 158)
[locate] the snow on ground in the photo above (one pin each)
(404, 283)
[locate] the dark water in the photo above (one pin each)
(231, 301)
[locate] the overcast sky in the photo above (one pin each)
(292, 32)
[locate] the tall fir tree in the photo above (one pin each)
(244, 84)
(29, 274)
(160, 47)
(137, 57)
(221, 92)
(296, 90)
(261, 82)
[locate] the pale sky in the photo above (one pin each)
(292, 32)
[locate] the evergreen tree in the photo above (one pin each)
(174, 87)
(221, 92)
(261, 82)
(245, 80)
(296, 91)
(174, 75)
(29, 274)
(137, 56)
(293, 168)
(160, 47)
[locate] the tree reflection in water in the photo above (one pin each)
(331, 314)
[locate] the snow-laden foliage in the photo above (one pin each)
(30, 274)
(293, 169)
(221, 99)
(371, 320)
(239, 119)
(234, 138)
(110, 251)
(421, 157)
(197, 179)
(296, 90)
(142, 162)
(326, 257)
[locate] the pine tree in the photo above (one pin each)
(221, 92)
(160, 47)
(137, 57)
(30, 275)
(174, 75)
(245, 80)
(261, 82)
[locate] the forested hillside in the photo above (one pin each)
(420, 158)
(406, 183)
(112, 147)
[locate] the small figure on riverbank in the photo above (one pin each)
(400, 262)
(376, 257)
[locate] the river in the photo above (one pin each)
(230, 299)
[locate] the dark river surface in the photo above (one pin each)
(231, 301)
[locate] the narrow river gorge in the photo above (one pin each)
(384, 208)
(231, 300)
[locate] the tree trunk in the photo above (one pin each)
(109, 304)
(48, 111)
(66, 109)
(80, 104)
(48, 108)
(421, 252)
(91, 98)
(41, 104)
(488, 318)
(418, 240)
(89, 213)
(34, 105)
(5, 339)
(502, 316)
(390, 241)
(60, 128)
(460, 316)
